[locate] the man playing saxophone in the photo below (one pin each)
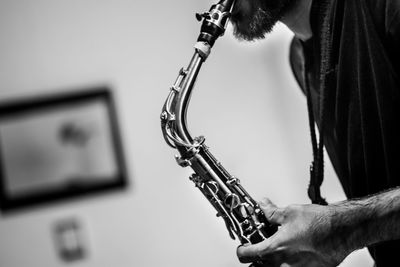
(345, 56)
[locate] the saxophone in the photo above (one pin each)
(242, 215)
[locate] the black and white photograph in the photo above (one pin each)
(217, 133)
(58, 146)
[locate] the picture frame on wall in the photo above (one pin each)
(60, 146)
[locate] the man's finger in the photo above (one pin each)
(248, 253)
(252, 253)
(273, 214)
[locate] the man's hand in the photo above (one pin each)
(305, 238)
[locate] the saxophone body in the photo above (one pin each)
(242, 215)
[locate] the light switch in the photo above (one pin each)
(69, 240)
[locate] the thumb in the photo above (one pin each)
(273, 214)
(248, 253)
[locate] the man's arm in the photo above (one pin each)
(368, 220)
(314, 235)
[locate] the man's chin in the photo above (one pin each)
(253, 30)
(247, 33)
(254, 19)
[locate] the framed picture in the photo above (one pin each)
(59, 146)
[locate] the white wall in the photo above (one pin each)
(246, 103)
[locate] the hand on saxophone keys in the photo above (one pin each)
(305, 238)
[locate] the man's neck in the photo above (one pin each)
(297, 19)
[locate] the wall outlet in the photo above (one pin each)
(69, 241)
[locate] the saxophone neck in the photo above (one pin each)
(173, 116)
(213, 26)
(184, 95)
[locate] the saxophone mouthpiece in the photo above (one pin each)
(214, 21)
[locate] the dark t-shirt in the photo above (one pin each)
(362, 124)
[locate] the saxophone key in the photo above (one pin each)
(182, 162)
(232, 201)
(212, 188)
(233, 181)
(196, 179)
(246, 226)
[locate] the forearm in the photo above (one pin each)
(370, 220)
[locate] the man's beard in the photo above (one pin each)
(253, 19)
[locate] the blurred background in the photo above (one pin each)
(246, 102)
